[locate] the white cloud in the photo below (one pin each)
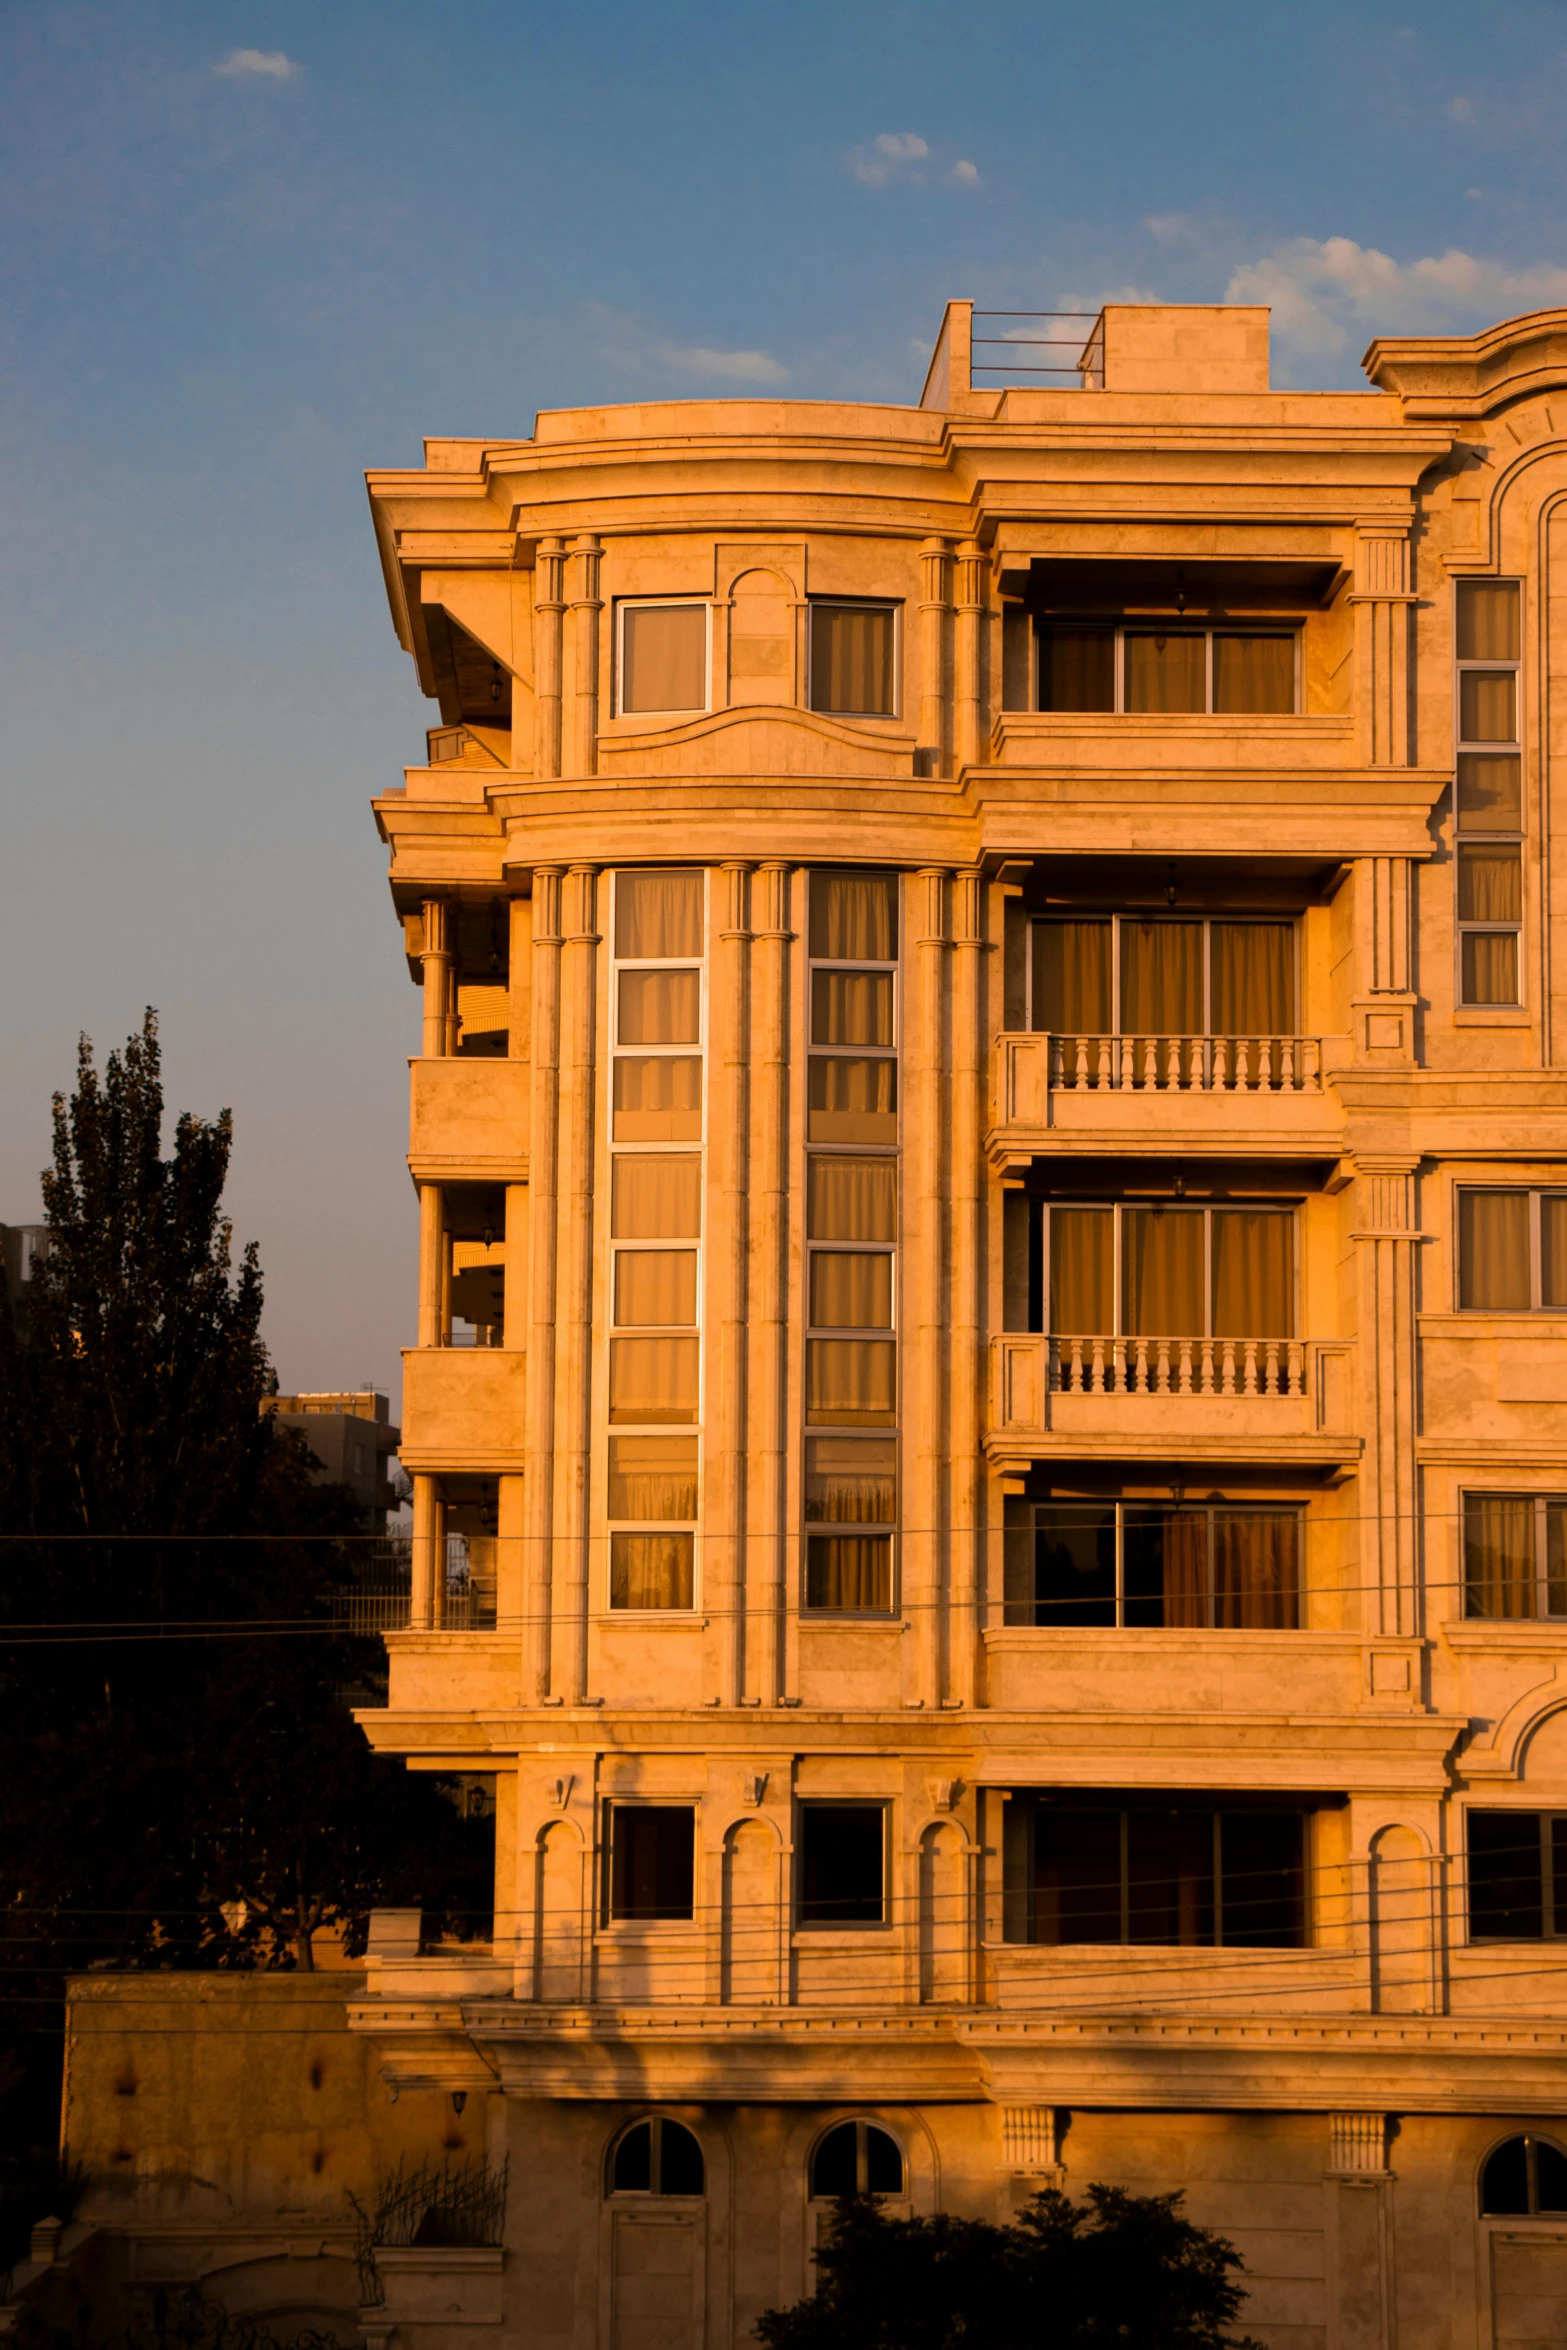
(1461, 109)
(888, 157)
(266, 64)
(1326, 291)
(966, 174)
(740, 367)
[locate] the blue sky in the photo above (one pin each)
(251, 249)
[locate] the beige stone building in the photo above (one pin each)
(992, 1147)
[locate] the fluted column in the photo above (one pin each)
(934, 555)
(427, 1597)
(1383, 602)
(724, 1416)
(582, 749)
(970, 727)
(1384, 1004)
(574, 1299)
(966, 1366)
(543, 1220)
(767, 1415)
(549, 609)
(924, 1417)
(440, 989)
(433, 1252)
(1386, 1238)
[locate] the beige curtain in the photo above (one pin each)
(1487, 705)
(1082, 1259)
(1493, 1250)
(851, 1480)
(851, 1573)
(1185, 1569)
(854, 917)
(851, 660)
(1254, 675)
(658, 916)
(1490, 792)
(1162, 1272)
(850, 1382)
(1256, 1574)
(1072, 992)
(1165, 673)
(1490, 884)
(852, 1101)
(658, 1101)
(1490, 966)
(1498, 1555)
(850, 1290)
(655, 1287)
(1556, 1557)
(1251, 979)
(652, 1477)
(663, 657)
(656, 1198)
(1487, 620)
(851, 1199)
(851, 1007)
(1077, 669)
(1553, 1248)
(660, 1007)
(650, 1570)
(1252, 1269)
(1161, 979)
(652, 1380)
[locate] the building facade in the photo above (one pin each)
(351, 1440)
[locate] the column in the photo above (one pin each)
(966, 1365)
(549, 608)
(519, 980)
(1358, 2233)
(434, 1251)
(922, 1417)
(510, 1549)
(970, 715)
(1384, 1004)
(428, 1594)
(543, 1217)
(767, 1531)
(574, 1296)
(933, 656)
(1386, 1239)
(582, 746)
(440, 989)
(725, 1337)
(1383, 603)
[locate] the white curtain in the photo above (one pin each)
(1493, 1250)
(663, 657)
(850, 1382)
(851, 1007)
(1253, 675)
(653, 1380)
(851, 1480)
(1487, 620)
(851, 1199)
(851, 659)
(655, 1287)
(657, 1198)
(1166, 673)
(660, 1007)
(650, 1570)
(658, 916)
(854, 917)
(851, 1289)
(852, 1101)
(658, 1101)
(652, 1477)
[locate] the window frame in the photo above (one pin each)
(654, 2122)
(1207, 1209)
(1541, 1504)
(1532, 2140)
(1543, 1815)
(809, 1804)
(1116, 916)
(892, 604)
(613, 1921)
(860, 2123)
(625, 604)
(1122, 1806)
(1207, 1509)
(1482, 836)
(1152, 625)
(1536, 1192)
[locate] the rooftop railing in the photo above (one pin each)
(1034, 352)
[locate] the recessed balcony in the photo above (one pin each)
(1125, 1093)
(1196, 1399)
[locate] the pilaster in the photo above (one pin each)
(966, 1364)
(582, 748)
(970, 729)
(440, 981)
(925, 1371)
(1384, 1005)
(574, 1295)
(1386, 1239)
(1382, 599)
(935, 556)
(767, 1390)
(1358, 2233)
(724, 1416)
(543, 1224)
(549, 610)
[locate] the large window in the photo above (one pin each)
(1166, 671)
(657, 2157)
(1512, 1251)
(652, 1854)
(1525, 2178)
(1155, 977)
(857, 2158)
(1515, 1555)
(1141, 1564)
(851, 1274)
(664, 658)
(1517, 1876)
(1169, 1271)
(1489, 793)
(843, 1864)
(655, 1220)
(1183, 1873)
(854, 659)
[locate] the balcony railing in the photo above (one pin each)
(1263, 1399)
(1177, 1366)
(380, 1599)
(1185, 1064)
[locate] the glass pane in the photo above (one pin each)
(1252, 979)
(650, 1570)
(1077, 669)
(883, 2163)
(851, 1199)
(663, 657)
(850, 1382)
(854, 917)
(852, 1101)
(1074, 1566)
(658, 1101)
(1169, 1876)
(1493, 1250)
(1550, 2174)
(1262, 1879)
(1556, 1576)
(1499, 1572)
(1162, 1272)
(1072, 978)
(1490, 884)
(851, 1007)
(654, 1198)
(849, 1572)
(1166, 674)
(834, 2165)
(1161, 979)
(1077, 1875)
(1553, 1248)
(658, 916)
(851, 659)
(633, 2173)
(652, 1477)
(660, 1007)
(1254, 674)
(652, 1380)
(1490, 792)
(1490, 966)
(1252, 1274)
(1488, 620)
(1082, 1289)
(850, 1291)
(1504, 2183)
(1256, 1574)
(1164, 1567)
(851, 1480)
(652, 1851)
(655, 1287)
(679, 2160)
(1506, 1890)
(1487, 705)
(842, 1873)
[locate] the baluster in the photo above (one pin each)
(1287, 1063)
(1221, 1064)
(1127, 1054)
(1161, 1379)
(1226, 1368)
(1096, 1377)
(1079, 1063)
(1242, 1062)
(1150, 1060)
(1265, 1063)
(1173, 1062)
(1205, 1366)
(1186, 1366)
(1105, 1066)
(1250, 1387)
(1311, 1062)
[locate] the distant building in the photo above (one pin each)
(23, 1248)
(352, 1439)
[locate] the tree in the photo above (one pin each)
(1120, 2269)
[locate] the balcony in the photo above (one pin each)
(468, 1120)
(1148, 1095)
(1280, 1400)
(463, 1408)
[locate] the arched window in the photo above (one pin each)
(1525, 2178)
(657, 2157)
(857, 2158)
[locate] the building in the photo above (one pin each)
(352, 1441)
(23, 1248)
(993, 1119)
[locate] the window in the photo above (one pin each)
(1169, 1271)
(1517, 1876)
(1158, 976)
(1176, 1873)
(1139, 1564)
(1166, 671)
(1525, 2178)
(663, 657)
(857, 2158)
(651, 1861)
(657, 2157)
(1488, 793)
(1512, 1251)
(1515, 1555)
(843, 1866)
(854, 659)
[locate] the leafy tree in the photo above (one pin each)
(1123, 2270)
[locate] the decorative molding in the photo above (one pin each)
(1357, 2145)
(1029, 2139)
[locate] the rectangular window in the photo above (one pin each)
(1488, 793)
(843, 1865)
(1154, 977)
(1517, 1876)
(1139, 1564)
(652, 1853)
(851, 1486)
(653, 1493)
(1126, 1270)
(663, 658)
(1515, 1556)
(854, 659)
(1166, 671)
(1512, 1251)
(1181, 1874)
